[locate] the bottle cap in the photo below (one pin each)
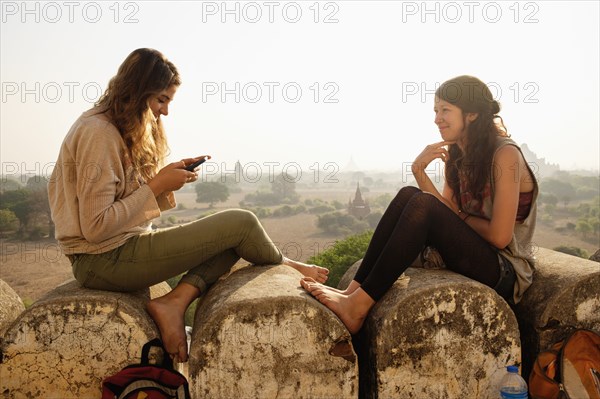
(512, 369)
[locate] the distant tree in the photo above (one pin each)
(586, 192)
(211, 192)
(261, 198)
(299, 209)
(575, 251)
(38, 187)
(550, 199)
(8, 220)
(19, 202)
(563, 190)
(337, 205)
(547, 219)
(8, 184)
(383, 200)
(341, 223)
(321, 209)
(373, 219)
(40, 208)
(583, 227)
(284, 211)
(550, 209)
(282, 191)
(37, 183)
(284, 188)
(342, 255)
(595, 223)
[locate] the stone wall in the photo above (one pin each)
(11, 306)
(258, 334)
(69, 340)
(437, 335)
(565, 295)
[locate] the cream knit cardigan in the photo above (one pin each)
(96, 198)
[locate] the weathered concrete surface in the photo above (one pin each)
(596, 256)
(565, 295)
(11, 306)
(68, 341)
(348, 276)
(257, 334)
(437, 335)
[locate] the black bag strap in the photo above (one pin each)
(167, 362)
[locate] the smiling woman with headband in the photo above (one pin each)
(109, 183)
(481, 223)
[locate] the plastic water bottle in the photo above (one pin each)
(513, 386)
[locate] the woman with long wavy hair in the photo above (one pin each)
(110, 182)
(481, 224)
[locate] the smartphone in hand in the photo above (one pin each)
(196, 164)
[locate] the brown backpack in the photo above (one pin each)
(570, 369)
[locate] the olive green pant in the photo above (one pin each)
(206, 249)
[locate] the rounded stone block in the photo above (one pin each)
(349, 275)
(564, 296)
(11, 306)
(257, 334)
(69, 340)
(438, 335)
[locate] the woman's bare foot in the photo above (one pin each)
(351, 309)
(317, 273)
(351, 288)
(170, 322)
(168, 313)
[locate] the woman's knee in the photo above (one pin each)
(424, 200)
(241, 217)
(405, 194)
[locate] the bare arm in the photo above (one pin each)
(499, 230)
(431, 152)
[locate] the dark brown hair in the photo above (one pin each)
(471, 95)
(144, 73)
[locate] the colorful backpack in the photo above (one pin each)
(147, 381)
(570, 369)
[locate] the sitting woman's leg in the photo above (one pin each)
(424, 221)
(384, 231)
(206, 249)
(381, 236)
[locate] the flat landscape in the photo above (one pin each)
(33, 268)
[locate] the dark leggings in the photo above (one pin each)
(413, 220)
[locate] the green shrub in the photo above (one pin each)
(575, 251)
(342, 255)
(284, 211)
(27, 302)
(321, 209)
(341, 223)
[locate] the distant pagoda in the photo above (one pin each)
(358, 207)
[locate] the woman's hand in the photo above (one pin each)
(190, 161)
(431, 152)
(172, 177)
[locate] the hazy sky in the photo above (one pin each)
(306, 82)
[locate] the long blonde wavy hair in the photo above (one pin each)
(144, 73)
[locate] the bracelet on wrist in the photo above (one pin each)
(461, 213)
